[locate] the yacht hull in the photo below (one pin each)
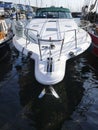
(57, 69)
(51, 39)
(94, 44)
(5, 47)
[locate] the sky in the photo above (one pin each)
(73, 5)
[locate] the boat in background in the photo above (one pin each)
(91, 20)
(93, 31)
(10, 10)
(50, 39)
(5, 38)
(29, 12)
(7, 9)
(1, 8)
(21, 10)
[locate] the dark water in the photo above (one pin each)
(76, 109)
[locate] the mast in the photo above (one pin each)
(96, 11)
(93, 5)
(29, 2)
(92, 9)
(41, 4)
(36, 3)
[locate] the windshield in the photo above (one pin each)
(61, 14)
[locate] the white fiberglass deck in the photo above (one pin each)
(51, 41)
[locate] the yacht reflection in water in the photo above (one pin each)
(5, 66)
(49, 113)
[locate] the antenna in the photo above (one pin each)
(29, 2)
(41, 4)
(93, 5)
(96, 11)
(25, 2)
(36, 3)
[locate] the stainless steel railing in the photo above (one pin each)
(38, 40)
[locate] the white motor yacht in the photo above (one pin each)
(51, 38)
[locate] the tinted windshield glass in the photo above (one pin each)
(54, 15)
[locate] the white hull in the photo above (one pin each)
(52, 41)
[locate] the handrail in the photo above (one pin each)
(47, 40)
(31, 29)
(49, 34)
(27, 35)
(38, 39)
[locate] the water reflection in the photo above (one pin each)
(20, 107)
(76, 109)
(49, 113)
(85, 115)
(5, 66)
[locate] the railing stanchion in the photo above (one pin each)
(75, 39)
(39, 47)
(61, 48)
(26, 37)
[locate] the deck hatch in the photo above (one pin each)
(35, 26)
(51, 29)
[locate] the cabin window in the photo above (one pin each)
(65, 15)
(52, 15)
(45, 14)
